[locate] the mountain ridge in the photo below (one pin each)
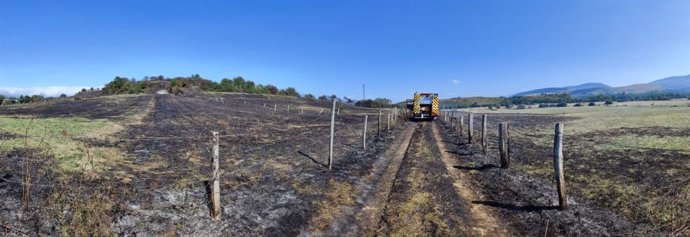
(668, 84)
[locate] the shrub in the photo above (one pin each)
(608, 102)
(562, 104)
(592, 104)
(521, 107)
(578, 105)
(290, 91)
(375, 103)
(273, 90)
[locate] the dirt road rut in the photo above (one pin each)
(420, 195)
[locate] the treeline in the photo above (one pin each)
(375, 103)
(181, 85)
(25, 99)
(123, 85)
(176, 85)
(557, 99)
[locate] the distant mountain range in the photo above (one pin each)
(679, 84)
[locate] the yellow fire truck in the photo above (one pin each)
(424, 105)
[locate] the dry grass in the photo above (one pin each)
(82, 210)
(593, 170)
(340, 194)
(406, 218)
(674, 143)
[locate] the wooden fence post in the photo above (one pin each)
(338, 111)
(470, 127)
(288, 109)
(378, 134)
(330, 151)
(275, 108)
(558, 167)
(503, 145)
(484, 118)
(215, 188)
(364, 132)
(321, 111)
(301, 110)
(460, 124)
(395, 113)
(388, 122)
(452, 118)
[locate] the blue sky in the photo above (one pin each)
(455, 48)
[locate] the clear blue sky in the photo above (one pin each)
(456, 48)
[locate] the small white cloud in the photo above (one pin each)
(44, 91)
(456, 81)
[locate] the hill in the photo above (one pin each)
(678, 84)
(579, 89)
(674, 83)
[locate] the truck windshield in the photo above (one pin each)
(425, 100)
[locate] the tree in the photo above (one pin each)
(240, 84)
(227, 85)
(2, 98)
(119, 85)
(348, 100)
(323, 97)
(273, 90)
(376, 103)
(309, 97)
(37, 98)
(63, 96)
(290, 91)
(383, 102)
(24, 99)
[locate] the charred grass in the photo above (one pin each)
(630, 160)
(137, 164)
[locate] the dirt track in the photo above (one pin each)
(423, 200)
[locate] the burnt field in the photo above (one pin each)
(628, 174)
(141, 165)
(147, 173)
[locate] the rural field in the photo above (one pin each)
(141, 165)
(630, 158)
(129, 165)
(344, 118)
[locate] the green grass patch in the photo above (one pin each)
(59, 137)
(681, 144)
